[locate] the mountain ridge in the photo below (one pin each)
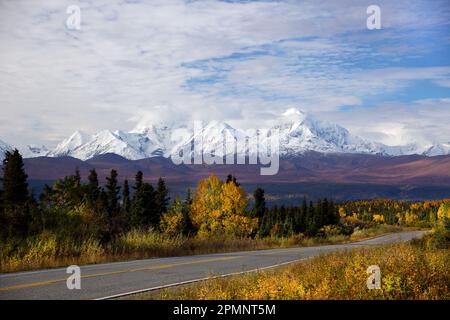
(308, 167)
(4, 147)
(299, 133)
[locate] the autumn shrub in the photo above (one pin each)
(375, 230)
(439, 238)
(46, 250)
(171, 222)
(145, 243)
(407, 272)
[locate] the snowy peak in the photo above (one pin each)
(33, 151)
(109, 142)
(4, 147)
(300, 132)
(212, 135)
(67, 146)
(30, 151)
(438, 149)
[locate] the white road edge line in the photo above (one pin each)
(198, 280)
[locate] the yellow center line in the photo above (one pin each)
(166, 266)
(287, 250)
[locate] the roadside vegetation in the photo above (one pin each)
(415, 270)
(78, 222)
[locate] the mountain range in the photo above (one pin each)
(317, 158)
(299, 133)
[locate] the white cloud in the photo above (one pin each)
(130, 61)
(424, 121)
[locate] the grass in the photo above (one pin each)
(361, 234)
(48, 250)
(416, 270)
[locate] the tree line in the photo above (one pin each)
(78, 208)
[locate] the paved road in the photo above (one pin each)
(110, 279)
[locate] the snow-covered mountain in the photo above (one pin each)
(33, 151)
(140, 143)
(3, 148)
(109, 142)
(30, 151)
(438, 149)
(299, 132)
(69, 145)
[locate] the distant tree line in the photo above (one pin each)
(308, 218)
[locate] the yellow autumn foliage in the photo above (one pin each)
(444, 211)
(218, 209)
(352, 218)
(378, 218)
(171, 221)
(410, 218)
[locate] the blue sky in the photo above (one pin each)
(245, 62)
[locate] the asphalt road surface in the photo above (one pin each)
(110, 280)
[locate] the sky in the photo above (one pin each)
(135, 62)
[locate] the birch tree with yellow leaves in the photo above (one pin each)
(219, 208)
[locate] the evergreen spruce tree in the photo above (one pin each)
(110, 197)
(15, 186)
(93, 179)
(77, 178)
(93, 191)
(332, 216)
(311, 228)
(300, 220)
(137, 202)
(187, 228)
(318, 215)
(112, 193)
(325, 217)
(188, 200)
(126, 203)
(161, 197)
(282, 214)
(259, 206)
(144, 212)
(151, 217)
(288, 226)
(14, 196)
(139, 181)
(77, 192)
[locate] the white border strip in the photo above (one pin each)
(198, 280)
